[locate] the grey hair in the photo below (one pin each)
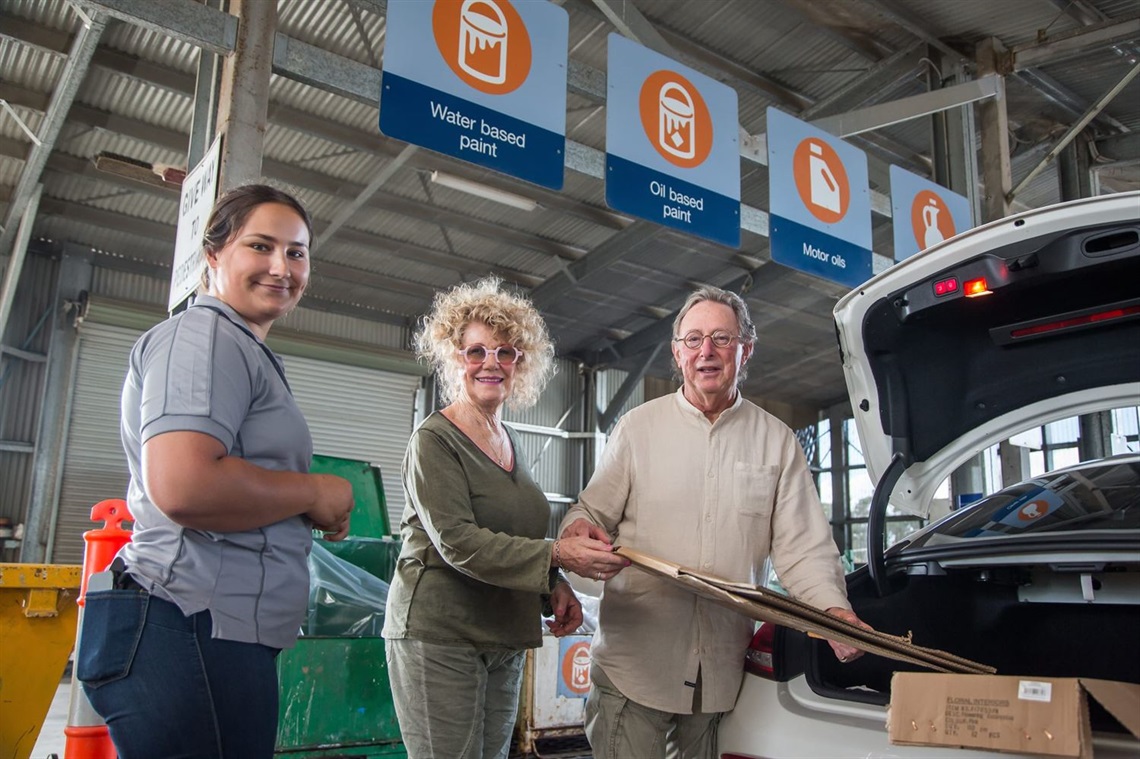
(747, 329)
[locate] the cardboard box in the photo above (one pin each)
(1046, 716)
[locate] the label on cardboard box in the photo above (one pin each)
(1035, 690)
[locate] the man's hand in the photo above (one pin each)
(580, 528)
(844, 652)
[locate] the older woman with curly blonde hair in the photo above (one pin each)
(476, 568)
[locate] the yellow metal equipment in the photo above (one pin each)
(37, 632)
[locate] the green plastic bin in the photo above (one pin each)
(336, 700)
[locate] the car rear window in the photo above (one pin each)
(1101, 497)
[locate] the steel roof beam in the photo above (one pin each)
(896, 111)
(74, 69)
(616, 247)
(913, 25)
(189, 22)
(1121, 147)
(1076, 129)
(1065, 46)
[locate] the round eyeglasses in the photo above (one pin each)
(694, 340)
(505, 355)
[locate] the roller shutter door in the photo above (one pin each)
(353, 412)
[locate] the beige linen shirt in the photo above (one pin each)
(719, 497)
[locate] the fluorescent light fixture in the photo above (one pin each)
(483, 191)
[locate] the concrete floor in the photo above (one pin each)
(50, 744)
(51, 741)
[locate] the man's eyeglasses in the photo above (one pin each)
(694, 340)
(505, 355)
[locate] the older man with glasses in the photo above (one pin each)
(711, 481)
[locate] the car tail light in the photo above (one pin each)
(758, 659)
(1085, 320)
(735, 756)
(975, 287)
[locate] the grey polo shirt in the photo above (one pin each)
(204, 371)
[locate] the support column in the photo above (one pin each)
(954, 136)
(967, 481)
(1095, 439)
(204, 122)
(1074, 171)
(590, 423)
(75, 272)
(1077, 180)
(840, 507)
(244, 97)
(1014, 463)
(994, 123)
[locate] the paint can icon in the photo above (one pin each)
(677, 133)
(483, 41)
(580, 669)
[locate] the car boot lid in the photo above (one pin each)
(1011, 325)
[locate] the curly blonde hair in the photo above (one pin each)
(508, 315)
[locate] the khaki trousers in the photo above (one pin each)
(619, 728)
(454, 702)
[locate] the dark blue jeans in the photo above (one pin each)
(167, 689)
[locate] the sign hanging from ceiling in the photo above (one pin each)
(924, 213)
(199, 190)
(820, 220)
(480, 80)
(672, 144)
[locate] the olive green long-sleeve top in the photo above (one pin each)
(475, 564)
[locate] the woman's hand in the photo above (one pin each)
(844, 652)
(567, 610)
(332, 506)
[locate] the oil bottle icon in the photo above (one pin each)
(824, 186)
(677, 133)
(931, 234)
(483, 41)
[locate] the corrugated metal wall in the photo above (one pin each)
(356, 413)
(21, 381)
(608, 382)
(555, 461)
(95, 466)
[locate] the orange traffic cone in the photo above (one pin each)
(86, 732)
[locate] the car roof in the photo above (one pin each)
(939, 377)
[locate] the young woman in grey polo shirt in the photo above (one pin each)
(178, 658)
(467, 595)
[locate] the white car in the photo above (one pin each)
(935, 376)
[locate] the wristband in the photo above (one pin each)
(557, 555)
